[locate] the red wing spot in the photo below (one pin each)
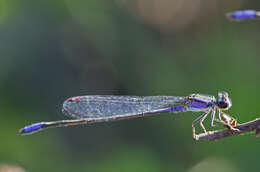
(77, 100)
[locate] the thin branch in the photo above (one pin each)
(243, 128)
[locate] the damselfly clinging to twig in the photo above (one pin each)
(100, 108)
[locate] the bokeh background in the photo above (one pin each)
(52, 50)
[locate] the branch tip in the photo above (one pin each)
(237, 130)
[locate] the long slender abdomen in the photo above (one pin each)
(31, 128)
(174, 109)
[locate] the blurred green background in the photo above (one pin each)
(52, 50)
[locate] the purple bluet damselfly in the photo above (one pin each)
(103, 108)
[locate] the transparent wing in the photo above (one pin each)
(109, 106)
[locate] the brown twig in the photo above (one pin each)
(243, 128)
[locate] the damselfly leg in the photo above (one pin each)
(223, 118)
(228, 122)
(200, 120)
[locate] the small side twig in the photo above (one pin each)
(243, 128)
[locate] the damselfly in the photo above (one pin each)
(103, 108)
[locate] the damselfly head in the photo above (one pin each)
(223, 102)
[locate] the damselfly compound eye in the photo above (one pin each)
(223, 102)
